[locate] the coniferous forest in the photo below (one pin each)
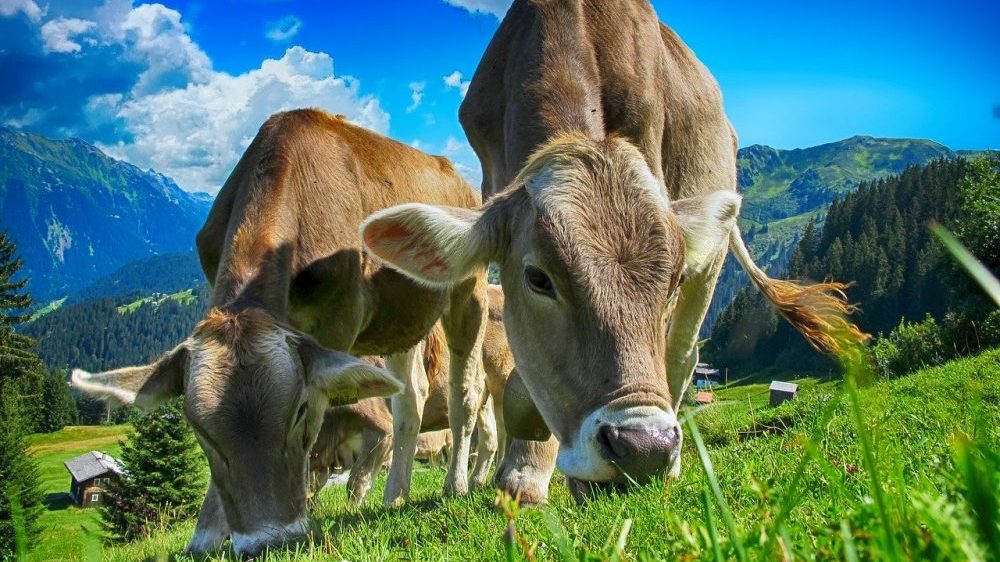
(878, 239)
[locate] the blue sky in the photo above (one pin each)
(182, 86)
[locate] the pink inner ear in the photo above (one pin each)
(412, 251)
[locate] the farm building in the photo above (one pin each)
(782, 391)
(705, 376)
(91, 473)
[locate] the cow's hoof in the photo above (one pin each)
(524, 487)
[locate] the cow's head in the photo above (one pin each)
(254, 393)
(592, 256)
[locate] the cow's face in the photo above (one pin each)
(592, 258)
(254, 394)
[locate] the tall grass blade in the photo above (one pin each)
(976, 269)
(713, 534)
(980, 493)
(853, 365)
(560, 538)
(850, 551)
(727, 516)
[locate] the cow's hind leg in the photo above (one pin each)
(464, 327)
(526, 470)
(486, 448)
(682, 338)
(375, 449)
(407, 412)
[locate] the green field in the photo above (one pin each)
(68, 533)
(185, 297)
(796, 480)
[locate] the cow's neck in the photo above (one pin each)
(567, 84)
(261, 281)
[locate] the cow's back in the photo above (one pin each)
(310, 178)
(287, 221)
(630, 76)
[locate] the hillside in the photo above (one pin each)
(114, 332)
(783, 190)
(878, 238)
(796, 478)
(78, 214)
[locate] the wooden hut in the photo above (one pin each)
(91, 473)
(782, 391)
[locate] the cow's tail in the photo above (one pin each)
(819, 312)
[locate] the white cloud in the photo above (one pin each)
(155, 37)
(283, 29)
(497, 8)
(454, 80)
(59, 35)
(416, 95)
(10, 8)
(453, 146)
(197, 133)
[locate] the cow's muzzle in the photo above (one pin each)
(630, 445)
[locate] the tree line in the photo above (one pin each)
(878, 238)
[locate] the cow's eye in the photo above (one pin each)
(539, 282)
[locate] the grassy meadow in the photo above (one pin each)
(800, 481)
(68, 532)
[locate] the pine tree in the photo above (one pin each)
(165, 476)
(58, 406)
(20, 497)
(22, 373)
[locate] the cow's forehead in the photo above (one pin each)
(602, 214)
(259, 371)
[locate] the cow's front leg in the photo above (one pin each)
(526, 470)
(486, 449)
(682, 338)
(407, 412)
(464, 326)
(376, 446)
(212, 528)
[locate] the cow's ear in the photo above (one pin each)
(435, 245)
(145, 387)
(707, 221)
(342, 378)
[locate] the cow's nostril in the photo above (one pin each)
(613, 447)
(638, 451)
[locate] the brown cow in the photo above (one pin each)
(611, 169)
(359, 436)
(290, 284)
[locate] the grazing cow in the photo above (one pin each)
(610, 169)
(359, 436)
(292, 294)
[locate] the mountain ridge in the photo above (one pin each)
(78, 214)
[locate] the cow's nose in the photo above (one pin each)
(638, 451)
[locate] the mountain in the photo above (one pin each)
(783, 190)
(167, 274)
(78, 215)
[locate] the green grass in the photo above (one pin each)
(51, 307)
(185, 297)
(918, 481)
(68, 532)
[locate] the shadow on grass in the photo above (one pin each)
(57, 501)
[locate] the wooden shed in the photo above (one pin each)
(782, 391)
(704, 397)
(91, 473)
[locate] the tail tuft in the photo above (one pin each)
(819, 312)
